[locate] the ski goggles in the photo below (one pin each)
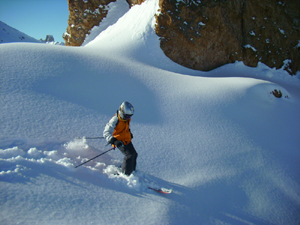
(127, 116)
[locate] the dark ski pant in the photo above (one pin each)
(130, 156)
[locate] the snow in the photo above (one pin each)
(226, 146)
(115, 11)
(9, 34)
(281, 31)
(252, 33)
(249, 46)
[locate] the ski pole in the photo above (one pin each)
(95, 157)
(89, 137)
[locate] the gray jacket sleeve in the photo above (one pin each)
(110, 128)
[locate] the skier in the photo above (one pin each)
(117, 133)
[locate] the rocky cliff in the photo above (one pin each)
(206, 34)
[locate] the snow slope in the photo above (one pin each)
(227, 147)
(9, 34)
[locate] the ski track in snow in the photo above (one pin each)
(226, 146)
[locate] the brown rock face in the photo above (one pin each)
(84, 15)
(206, 34)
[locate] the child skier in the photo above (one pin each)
(117, 132)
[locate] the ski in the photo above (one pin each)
(161, 190)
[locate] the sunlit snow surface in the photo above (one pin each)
(226, 146)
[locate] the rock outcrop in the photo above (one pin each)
(206, 34)
(83, 16)
(49, 38)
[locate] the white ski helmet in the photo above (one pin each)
(126, 110)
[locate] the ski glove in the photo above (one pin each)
(119, 144)
(116, 142)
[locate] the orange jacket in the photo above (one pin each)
(119, 129)
(122, 131)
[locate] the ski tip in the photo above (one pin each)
(166, 191)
